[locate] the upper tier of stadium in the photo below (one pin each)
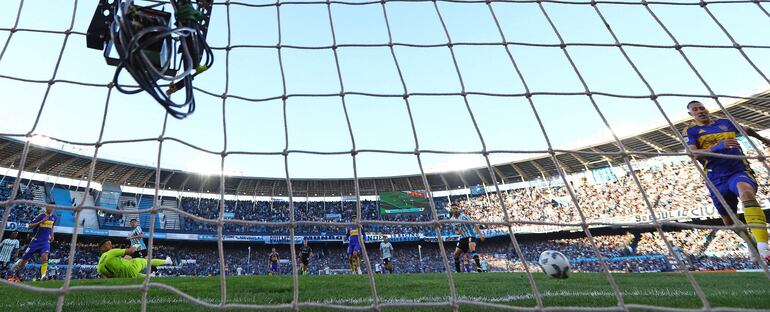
(754, 113)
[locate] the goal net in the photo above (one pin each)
(377, 89)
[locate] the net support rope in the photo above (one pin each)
(353, 154)
(376, 305)
(573, 197)
(434, 215)
(292, 222)
(156, 196)
(221, 215)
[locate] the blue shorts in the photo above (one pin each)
(353, 246)
(36, 246)
(274, 267)
(728, 187)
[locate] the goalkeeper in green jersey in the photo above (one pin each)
(118, 262)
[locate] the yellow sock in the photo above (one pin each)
(158, 262)
(43, 269)
(755, 216)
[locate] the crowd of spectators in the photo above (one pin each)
(18, 213)
(274, 211)
(700, 250)
(671, 185)
(118, 220)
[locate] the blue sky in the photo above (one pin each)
(73, 112)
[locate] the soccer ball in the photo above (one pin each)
(554, 264)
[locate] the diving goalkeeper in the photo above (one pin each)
(117, 263)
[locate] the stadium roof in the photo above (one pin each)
(754, 113)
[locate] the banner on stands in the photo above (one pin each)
(99, 232)
(691, 213)
(283, 239)
(702, 212)
(17, 227)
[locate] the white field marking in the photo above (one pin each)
(564, 293)
(82, 302)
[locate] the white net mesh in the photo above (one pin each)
(405, 94)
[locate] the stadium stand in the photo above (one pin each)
(624, 251)
(62, 197)
(199, 258)
(605, 194)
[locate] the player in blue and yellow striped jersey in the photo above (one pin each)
(272, 262)
(733, 178)
(41, 241)
(354, 246)
(467, 243)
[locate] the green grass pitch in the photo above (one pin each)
(744, 290)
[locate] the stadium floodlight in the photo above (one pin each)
(151, 50)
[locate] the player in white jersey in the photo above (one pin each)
(137, 239)
(467, 243)
(53, 270)
(386, 248)
(9, 249)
